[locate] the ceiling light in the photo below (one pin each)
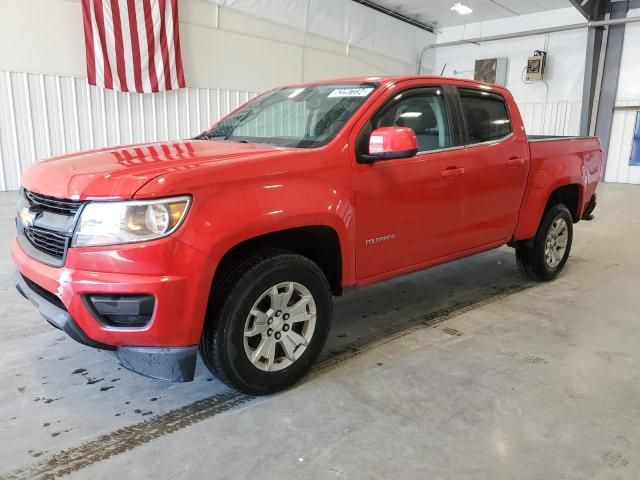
(461, 8)
(411, 115)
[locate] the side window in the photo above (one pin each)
(486, 115)
(423, 111)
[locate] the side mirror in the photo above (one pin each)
(391, 142)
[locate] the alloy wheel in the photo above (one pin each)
(280, 326)
(556, 243)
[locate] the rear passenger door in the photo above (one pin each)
(496, 166)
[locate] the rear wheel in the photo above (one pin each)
(544, 257)
(270, 319)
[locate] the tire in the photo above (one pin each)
(240, 309)
(533, 256)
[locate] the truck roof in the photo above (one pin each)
(390, 79)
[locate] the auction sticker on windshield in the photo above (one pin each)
(351, 92)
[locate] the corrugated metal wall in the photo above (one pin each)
(560, 118)
(618, 168)
(44, 115)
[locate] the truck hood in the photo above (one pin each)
(120, 172)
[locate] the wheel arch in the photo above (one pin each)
(538, 201)
(319, 243)
(569, 195)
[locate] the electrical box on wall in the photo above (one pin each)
(535, 66)
(492, 70)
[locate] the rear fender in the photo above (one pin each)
(536, 199)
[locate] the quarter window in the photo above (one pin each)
(424, 112)
(486, 115)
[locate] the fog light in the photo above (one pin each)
(121, 310)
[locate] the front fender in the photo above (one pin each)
(223, 216)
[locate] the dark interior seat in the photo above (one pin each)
(479, 125)
(422, 120)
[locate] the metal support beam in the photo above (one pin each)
(591, 63)
(590, 9)
(398, 16)
(610, 75)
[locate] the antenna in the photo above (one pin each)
(443, 68)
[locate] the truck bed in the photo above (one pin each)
(557, 161)
(549, 138)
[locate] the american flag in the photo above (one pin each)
(133, 45)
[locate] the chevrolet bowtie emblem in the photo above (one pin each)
(27, 217)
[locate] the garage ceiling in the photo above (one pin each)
(437, 13)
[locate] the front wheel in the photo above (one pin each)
(543, 258)
(270, 322)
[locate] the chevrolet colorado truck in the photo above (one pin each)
(233, 243)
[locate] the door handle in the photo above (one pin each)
(515, 162)
(452, 172)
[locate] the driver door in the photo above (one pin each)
(409, 211)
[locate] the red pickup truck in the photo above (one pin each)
(233, 243)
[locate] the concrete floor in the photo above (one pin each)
(465, 371)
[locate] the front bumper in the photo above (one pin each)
(177, 364)
(54, 314)
(177, 276)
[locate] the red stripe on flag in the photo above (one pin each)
(97, 7)
(148, 22)
(176, 44)
(135, 45)
(88, 40)
(117, 31)
(163, 45)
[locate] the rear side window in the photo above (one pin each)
(486, 115)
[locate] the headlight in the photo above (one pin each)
(22, 208)
(111, 223)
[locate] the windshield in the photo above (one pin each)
(302, 117)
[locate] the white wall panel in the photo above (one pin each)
(564, 71)
(559, 118)
(629, 66)
(245, 44)
(47, 115)
(618, 168)
(624, 117)
(511, 24)
(344, 21)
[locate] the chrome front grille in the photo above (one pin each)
(51, 243)
(52, 204)
(46, 234)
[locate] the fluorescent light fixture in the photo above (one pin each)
(296, 92)
(461, 8)
(411, 115)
